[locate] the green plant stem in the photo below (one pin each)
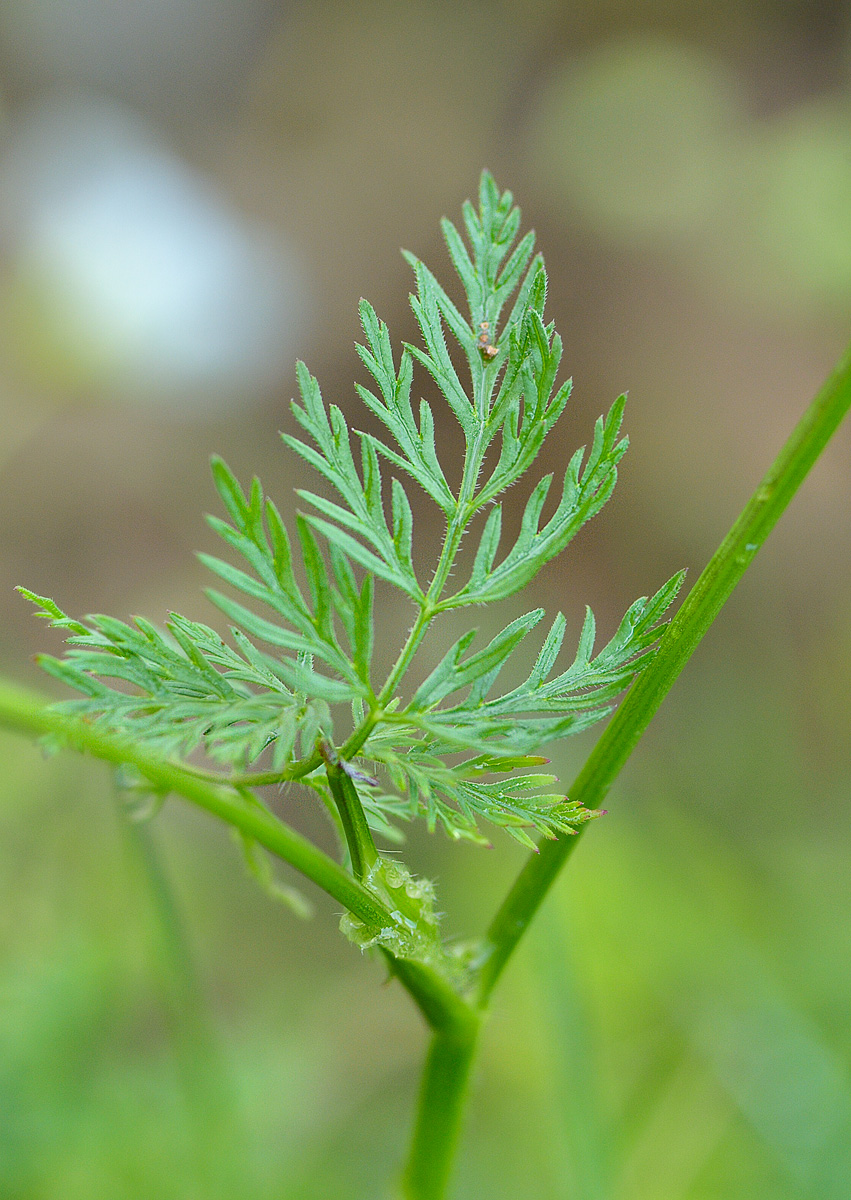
(698, 611)
(29, 713)
(358, 835)
(440, 1110)
(455, 1028)
(255, 779)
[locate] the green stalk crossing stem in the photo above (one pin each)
(699, 609)
(28, 713)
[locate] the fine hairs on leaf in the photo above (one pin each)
(458, 751)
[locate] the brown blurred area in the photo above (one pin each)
(195, 194)
(668, 161)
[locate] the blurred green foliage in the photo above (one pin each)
(676, 1025)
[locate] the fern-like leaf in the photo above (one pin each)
(457, 751)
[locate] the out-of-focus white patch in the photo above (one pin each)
(174, 295)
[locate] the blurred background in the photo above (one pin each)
(192, 194)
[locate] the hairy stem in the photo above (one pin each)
(416, 635)
(29, 713)
(255, 779)
(454, 533)
(698, 611)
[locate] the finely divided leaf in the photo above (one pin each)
(362, 512)
(460, 751)
(584, 492)
(190, 689)
(500, 735)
